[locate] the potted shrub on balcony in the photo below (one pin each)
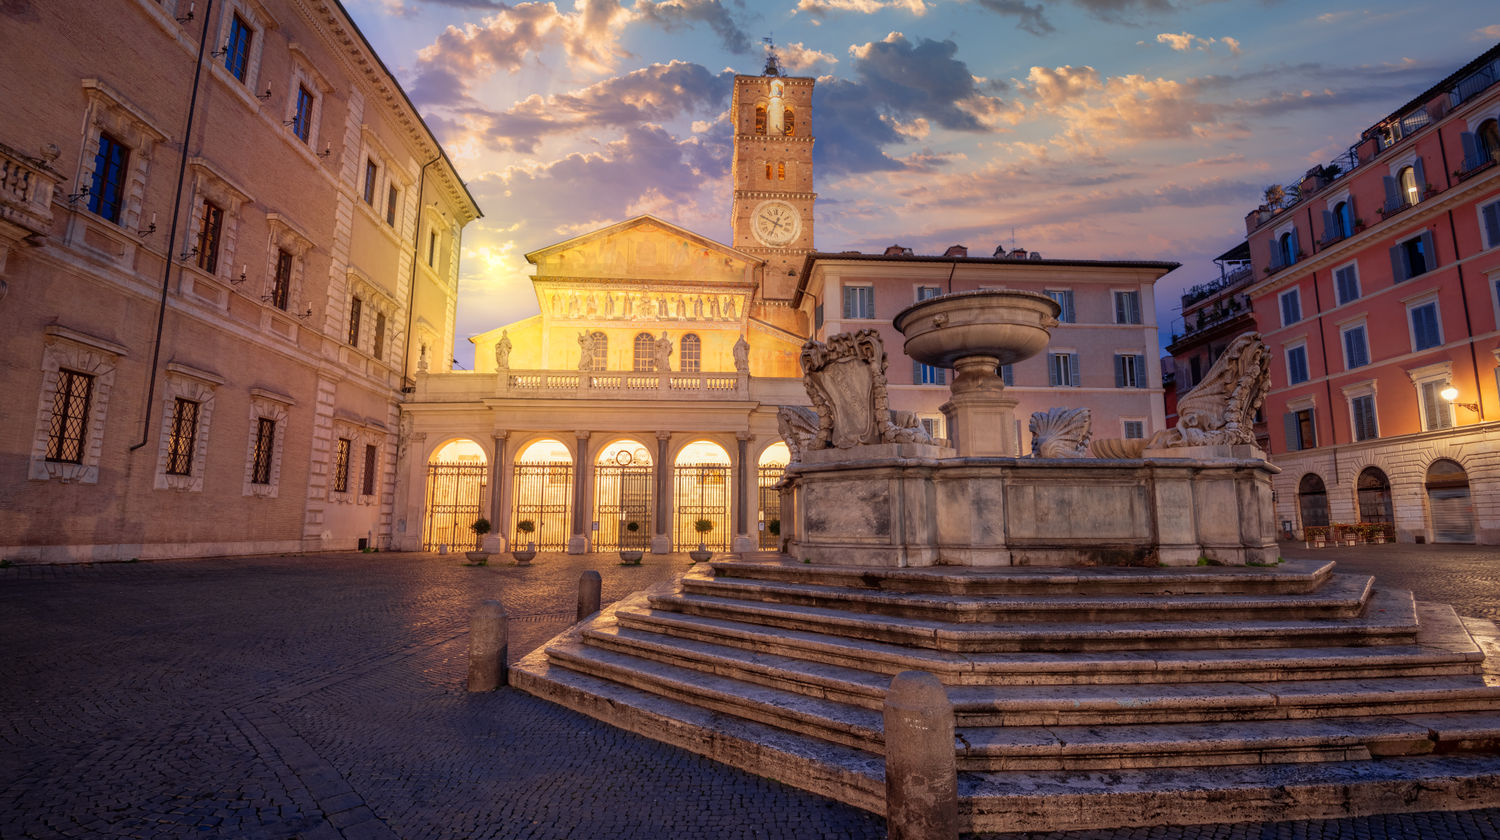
(478, 557)
(523, 557)
(633, 553)
(703, 527)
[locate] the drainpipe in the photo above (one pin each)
(1468, 325)
(166, 274)
(411, 287)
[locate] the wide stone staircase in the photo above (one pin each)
(1083, 696)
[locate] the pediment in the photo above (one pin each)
(644, 248)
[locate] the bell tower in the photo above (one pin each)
(772, 214)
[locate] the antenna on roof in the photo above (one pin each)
(773, 65)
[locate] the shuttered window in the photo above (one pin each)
(1296, 364)
(928, 375)
(1291, 306)
(1437, 413)
(1363, 410)
(1130, 370)
(1346, 281)
(1356, 347)
(1062, 370)
(1064, 298)
(859, 301)
(1413, 257)
(1489, 214)
(1300, 430)
(1425, 331)
(1127, 307)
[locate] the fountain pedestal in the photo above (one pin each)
(981, 416)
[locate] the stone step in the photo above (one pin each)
(1342, 596)
(1078, 704)
(1443, 648)
(1389, 618)
(1290, 577)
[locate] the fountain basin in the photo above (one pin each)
(1004, 324)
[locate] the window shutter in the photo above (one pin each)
(1296, 248)
(1276, 255)
(1120, 362)
(1140, 370)
(1312, 429)
(1491, 213)
(1429, 253)
(1293, 440)
(1392, 194)
(1429, 406)
(1399, 270)
(1473, 156)
(1421, 177)
(916, 372)
(1052, 371)
(1073, 369)
(1329, 232)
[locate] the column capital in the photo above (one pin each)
(744, 435)
(582, 435)
(500, 434)
(663, 435)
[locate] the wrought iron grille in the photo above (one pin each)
(70, 412)
(622, 495)
(701, 491)
(454, 496)
(265, 442)
(544, 495)
(341, 466)
(184, 435)
(770, 505)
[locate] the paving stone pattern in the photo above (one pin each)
(322, 697)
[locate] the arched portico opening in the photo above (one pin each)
(456, 477)
(543, 494)
(769, 471)
(701, 490)
(1312, 501)
(1374, 491)
(1448, 502)
(623, 478)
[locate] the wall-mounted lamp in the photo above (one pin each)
(150, 228)
(264, 96)
(221, 51)
(188, 254)
(82, 193)
(307, 314)
(189, 16)
(1450, 394)
(327, 150)
(235, 281)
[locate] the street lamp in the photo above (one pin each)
(1450, 394)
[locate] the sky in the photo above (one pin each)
(1082, 129)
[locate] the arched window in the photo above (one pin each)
(760, 119)
(691, 358)
(1312, 499)
(601, 352)
(1343, 216)
(1288, 247)
(1489, 139)
(1410, 190)
(1374, 491)
(781, 171)
(769, 174)
(645, 347)
(789, 121)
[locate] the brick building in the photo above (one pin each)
(227, 243)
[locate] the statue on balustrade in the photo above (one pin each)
(502, 351)
(742, 356)
(663, 354)
(585, 350)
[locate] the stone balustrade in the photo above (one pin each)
(572, 384)
(26, 188)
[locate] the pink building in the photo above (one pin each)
(1377, 288)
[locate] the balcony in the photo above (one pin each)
(1203, 291)
(26, 188)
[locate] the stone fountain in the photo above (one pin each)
(1099, 673)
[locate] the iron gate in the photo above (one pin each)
(455, 495)
(544, 496)
(622, 495)
(770, 505)
(701, 491)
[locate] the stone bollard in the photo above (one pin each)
(921, 773)
(487, 647)
(589, 587)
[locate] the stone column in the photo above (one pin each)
(981, 416)
(578, 543)
(744, 474)
(499, 514)
(661, 528)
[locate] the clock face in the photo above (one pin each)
(775, 223)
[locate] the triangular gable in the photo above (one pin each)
(646, 248)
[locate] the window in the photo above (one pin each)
(1489, 139)
(859, 301)
(390, 205)
(378, 345)
(302, 119)
(106, 191)
(368, 488)
(355, 306)
(1134, 429)
(1130, 370)
(760, 119)
(1296, 364)
(1064, 298)
(600, 358)
(1426, 330)
(789, 123)
(1413, 257)
(237, 49)
(431, 248)
(781, 170)
(1301, 431)
(1356, 347)
(265, 443)
(1437, 413)
(1127, 307)
(770, 171)
(210, 230)
(928, 375)
(281, 291)
(690, 356)
(341, 466)
(1362, 415)
(645, 352)
(1287, 245)
(1346, 283)
(1489, 218)
(68, 431)
(1407, 181)
(1008, 374)
(372, 172)
(928, 292)
(184, 437)
(1062, 370)
(933, 426)
(1291, 306)
(1340, 221)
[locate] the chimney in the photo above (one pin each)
(897, 251)
(999, 251)
(956, 251)
(1018, 254)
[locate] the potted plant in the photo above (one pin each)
(523, 557)
(634, 552)
(702, 526)
(478, 557)
(1315, 535)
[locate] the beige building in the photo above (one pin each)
(227, 244)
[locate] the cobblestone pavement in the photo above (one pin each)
(321, 697)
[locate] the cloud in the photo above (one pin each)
(1184, 41)
(923, 79)
(1135, 108)
(1030, 18)
(671, 15)
(1487, 33)
(818, 9)
(1059, 85)
(798, 58)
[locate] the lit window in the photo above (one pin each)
(371, 173)
(1346, 281)
(1130, 370)
(1062, 370)
(341, 466)
(210, 230)
(1437, 413)
(1296, 364)
(859, 302)
(1127, 307)
(302, 120)
(769, 171)
(1064, 298)
(1407, 180)
(184, 437)
(781, 171)
(1489, 139)
(645, 352)
(1291, 307)
(1356, 347)
(1343, 218)
(789, 122)
(107, 190)
(690, 358)
(1362, 414)
(70, 413)
(237, 50)
(355, 307)
(760, 119)
(1426, 330)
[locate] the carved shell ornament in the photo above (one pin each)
(1060, 433)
